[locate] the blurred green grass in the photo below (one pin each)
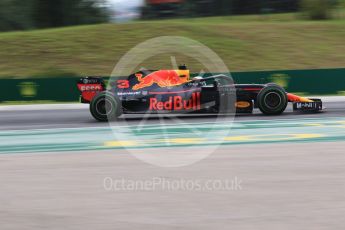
(245, 43)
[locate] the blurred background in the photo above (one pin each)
(291, 165)
(66, 39)
(31, 14)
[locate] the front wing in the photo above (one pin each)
(314, 106)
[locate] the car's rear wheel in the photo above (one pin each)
(272, 100)
(105, 106)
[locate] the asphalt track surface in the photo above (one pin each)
(281, 183)
(80, 118)
(283, 186)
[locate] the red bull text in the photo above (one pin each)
(176, 103)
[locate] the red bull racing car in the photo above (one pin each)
(173, 91)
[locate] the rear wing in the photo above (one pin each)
(90, 87)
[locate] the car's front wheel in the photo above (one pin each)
(272, 100)
(105, 106)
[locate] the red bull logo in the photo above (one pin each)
(176, 103)
(163, 78)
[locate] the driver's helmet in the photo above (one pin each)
(184, 72)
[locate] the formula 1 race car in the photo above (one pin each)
(172, 91)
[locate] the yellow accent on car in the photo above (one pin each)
(303, 99)
(184, 73)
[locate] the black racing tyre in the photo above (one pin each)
(272, 100)
(105, 106)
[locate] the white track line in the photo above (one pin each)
(330, 98)
(72, 106)
(150, 126)
(43, 107)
